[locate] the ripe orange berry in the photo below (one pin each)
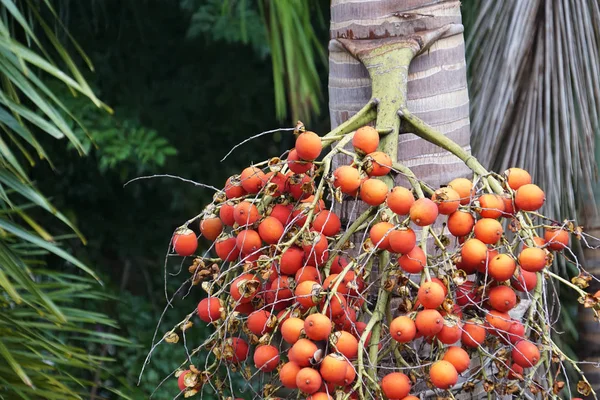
(524, 281)
(395, 385)
(345, 343)
(488, 230)
(516, 332)
(403, 329)
(308, 145)
(245, 213)
(529, 197)
(211, 228)
(431, 294)
(209, 309)
(499, 322)
(458, 357)
(252, 179)
(239, 349)
(429, 322)
(233, 187)
(414, 261)
(291, 260)
(337, 305)
(302, 352)
(270, 230)
(451, 331)
(464, 188)
(266, 358)
(466, 294)
(365, 140)
(291, 329)
(308, 273)
(402, 240)
(226, 214)
(347, 179)
(373, 192)
(443, 374)
(260, 322)
(226, 248)
(517, 177)
(308, 380)
(319, 396)
(184, 242)
(503, 298)
(333, 368)
(327, 223)
(460, 223)
(377, 163)
(474, 253)
(399, 200)
(379, 234)
(307, 293)
(492, 206)
(244, 288)
(288, 374)
(447, 200)
(317, 327)
(473, 334)
(525, 354)
(556, 238)
(423, 212)
(350, 374)
(411, 398)
(532, 259)
(338, 264)
(296, 164)
(282, 213)
(248, 241)
(501, 267)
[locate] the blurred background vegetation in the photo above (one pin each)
(186, 81)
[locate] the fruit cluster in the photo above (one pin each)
(422, 281)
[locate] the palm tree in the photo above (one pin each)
(44, 332)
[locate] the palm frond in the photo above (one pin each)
(535, 93)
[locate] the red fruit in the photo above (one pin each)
(338, 265)
(288, 373)
(365, 140)
(403, 329)
(399, 200)
(347, 179)
(451, 331)
(276, 183)
(270, 230)
(185, 242)
(414, 261)
(244, 288)
(503, 298)
(245, 213)
(226, 214)
(524, 281)
(308, 146)
(307, 293)
(466, 294)
(302, 352)
(443, 374)
(296, 164)
(464, 188)
(516, 372)
(379, 234)
(395, 385)
(488, 230)
(226, 248)
(516, 332)
(501, 267)
(308, 380)
(499, 322)
(233, 188)
(458, 358)
(525, 354)
(327, 223)
(460, 223)
(373, 192)
(402, 240)
(317, 327)
(423, 212)
(300, 186)
(492, 206)
(181, 379)
(260, 322)
(447, 200)
(474, 253)
(517, 177)
(429, 322)
(239, 349)
(291, 260)
(431, 294)
(473, 334)
(252, 179)
(377, 164)
(266, 358)
(556, 238)
(209, 309)
(282, 213)
(211, 228)
(308, 273)
(315, 249)
(532, 259)
(248, 241)
(345, 343)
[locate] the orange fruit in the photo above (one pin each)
(517, 177)
(402, 240)
(451, 331)
(532, 259)
(300, 186)
(276, 183)
(244, 288)
(403, 329)
(373, 192)
(211, 228)
(443, 374)
(282, 213)
(501, 267)
(458, 357)
(350, 374)
(307, 293)
(414, 261)
(488, 230)
(337, 305)
(474, 253)
(395, 385)
(502, 298)
(346, 178)
(317, 327)
(245, 213)
(399, 200)
(291, 329)
(524, 281)
(516, 372)
(379, 234)
(308, 146)
(291, 260)
(308, 273)
(365, 140)
(423, 212)
(302, 352)
(239, 349)
(464, 188)
(233, 187)
(431, 294)
(226, 214)
(473, 334)
(466, 294)
(252, 179)
(460, 223)
(556, 238)
(333, 368)
(288, 373)
(377, 163)
(345, 343)
(226, 248)
(327, 223)
(319, 396)
(429, 322)
(447, 200)
(308, 380)
(184, 242)
(248, 241)
(296, 164)
(270, 230)
(260, 322)
(499, 322)
(209, 309)
(492, 206)
(525, 354)
(529, 197)
(266, 357)
(516, 332)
